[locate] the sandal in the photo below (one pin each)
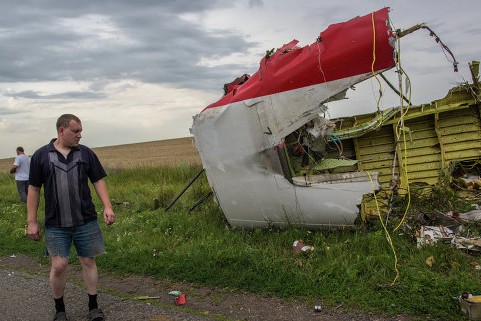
(96, 315)
(60, 316)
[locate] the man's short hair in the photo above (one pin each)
(65, 119)
(20, 149)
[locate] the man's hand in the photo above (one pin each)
(33, 231)
(103, 193)
(109, 216)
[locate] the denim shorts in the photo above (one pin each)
(86, 238)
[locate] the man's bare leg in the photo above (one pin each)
(91, 277)
(58, 276)
(89, 273)
(58, 281)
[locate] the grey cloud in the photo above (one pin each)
(255, 3)
(30, 94)
(8, 111)
(161, 47)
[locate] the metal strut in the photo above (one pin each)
(394, 88)
(184, 189)
(200, 201)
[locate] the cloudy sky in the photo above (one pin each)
(137, 71)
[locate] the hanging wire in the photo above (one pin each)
(378, 102)
(400, 127)
(388, 236)
(446, 49)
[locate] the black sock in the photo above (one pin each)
(93, 302)
(59, 305)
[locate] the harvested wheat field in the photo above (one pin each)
(6, 164)
(169, 152)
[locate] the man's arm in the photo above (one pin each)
(103, 193)
(33, 199)
(13, 169)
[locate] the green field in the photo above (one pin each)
(356, 267)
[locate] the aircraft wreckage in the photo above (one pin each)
(272, 159)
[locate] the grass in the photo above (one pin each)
(351, 267)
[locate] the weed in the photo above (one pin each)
(353, 267)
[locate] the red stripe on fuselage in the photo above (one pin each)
(343, 50)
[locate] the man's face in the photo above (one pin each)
(71, 135)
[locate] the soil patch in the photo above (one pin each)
(218, 304)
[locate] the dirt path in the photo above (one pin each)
(24, 292)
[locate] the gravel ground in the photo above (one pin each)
(25, 295)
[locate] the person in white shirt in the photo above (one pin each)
(21, 169)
